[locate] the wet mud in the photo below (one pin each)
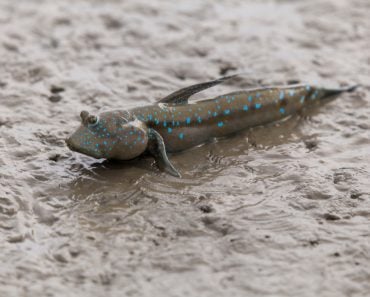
(281, 210)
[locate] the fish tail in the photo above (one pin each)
(332, 92)
(328, 95)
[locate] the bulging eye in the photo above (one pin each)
(84, 114)
(92, 120)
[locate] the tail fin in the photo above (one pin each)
(350, 89)
(333, 93)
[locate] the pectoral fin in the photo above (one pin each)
(182, 96)
(157, 149)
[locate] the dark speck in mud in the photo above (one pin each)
(336, 254)
(205, 208)
(74, 252)
(155, 242)
(54, 157)
(293, 82)
(56, 89)
(131, 88)
(314, 242)
(55, 98)
(61, 258)
(331, 217)
(311, 144)
(225, 69)
(355, 195)
(180, 76)
(4, 123)
(112, 23)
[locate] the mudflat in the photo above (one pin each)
(279, 210)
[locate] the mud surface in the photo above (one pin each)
(282, 210)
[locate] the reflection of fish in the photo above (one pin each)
(173, 124)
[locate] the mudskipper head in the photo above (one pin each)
(110, 135)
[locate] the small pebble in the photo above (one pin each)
(205, 208)
(331, 217)
(55, 98)
(56, 89)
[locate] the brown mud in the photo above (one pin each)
(282, 210)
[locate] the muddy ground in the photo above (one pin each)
(282, 210)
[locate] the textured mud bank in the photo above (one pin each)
(282, 210)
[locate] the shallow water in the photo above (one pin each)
(281, 210)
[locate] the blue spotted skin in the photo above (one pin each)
(124, 134)
(188, 125)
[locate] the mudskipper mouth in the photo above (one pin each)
(75, 147)
(69, 143)
(72, 146)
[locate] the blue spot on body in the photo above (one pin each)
(227, 111)
(215, 114)
(314, 95)
(131, 132)
(281, 97)
(169, 130)
(282, 110)
(218, 107)
(308, 87)
(258, 105)
(199, 120)
(245, 107)
(188, 120)
(209, 112)
(105, 143)
(250, 98)
(220, 124)
(181, 135)
(302, 99)
(156, 121)
(165, 124)
(150, 117)
(258, 95)
(291, 93)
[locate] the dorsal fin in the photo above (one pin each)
(182, 96)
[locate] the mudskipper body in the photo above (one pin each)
(173, 124)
